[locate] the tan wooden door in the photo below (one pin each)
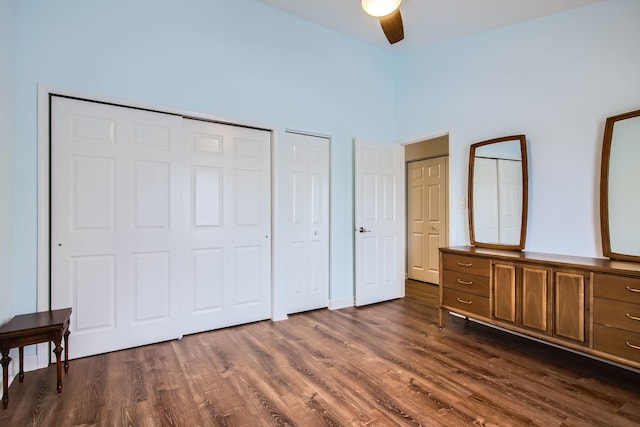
(427, 217)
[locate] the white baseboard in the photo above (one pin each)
(337, 304)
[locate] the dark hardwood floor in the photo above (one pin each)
(381, 365)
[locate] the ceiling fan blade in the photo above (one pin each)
(392, 26)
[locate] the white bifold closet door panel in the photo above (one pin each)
(309, 222)
(227, 226)
(129, 254)
(115, 186)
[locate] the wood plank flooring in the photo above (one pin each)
(381, 365)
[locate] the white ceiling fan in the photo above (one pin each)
(388, 12)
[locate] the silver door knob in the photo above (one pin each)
(364, 230)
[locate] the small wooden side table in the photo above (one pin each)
(34, 328)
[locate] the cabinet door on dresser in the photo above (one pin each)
(535, 298)
(521, 295)
(504, 292)
(570, 298)
(616, 315)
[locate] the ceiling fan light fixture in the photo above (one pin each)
(380, 7)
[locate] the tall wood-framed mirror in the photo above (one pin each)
(498, 193)
(619, 194)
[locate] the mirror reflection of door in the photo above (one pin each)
(497, 191)
(426, 217)
(497, 199)
(620, 204)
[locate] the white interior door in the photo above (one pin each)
(309, 222)
(427, 217)
(115, 191)
(379, 222)
(227, 222)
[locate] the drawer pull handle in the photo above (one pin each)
(630, 289)
(464, 302)
(462, 282)
(465, 264)
(632, 317)
(635, 347)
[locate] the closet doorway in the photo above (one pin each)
(427, 201)
(160, 224)
(308, 221)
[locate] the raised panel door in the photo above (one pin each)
(308, 221)
(115, 219)
(569, 302)
(535, 295)
(379, 222)
(504, 292)
(227, 225)
(427, 219)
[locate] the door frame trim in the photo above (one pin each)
(43, 258)
(404, 143)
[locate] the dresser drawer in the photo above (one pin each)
(617, 342)
(617, 287)
(467, 264)
(464, 282)
(465, 302)
(619, 314)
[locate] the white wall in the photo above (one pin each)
(7, 131)
(239, 60)
(554, 79)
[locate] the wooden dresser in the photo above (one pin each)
(588, 305)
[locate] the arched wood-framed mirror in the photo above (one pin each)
(498, 193)
(619, 194)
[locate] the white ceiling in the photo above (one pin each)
(425, 21)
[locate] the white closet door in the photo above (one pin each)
(227, 225)
(309, 222)
(115, 192)
(160, 226)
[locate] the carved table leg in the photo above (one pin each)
(58, 350)
(5, 378)
(21, 357)
(66, 351)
